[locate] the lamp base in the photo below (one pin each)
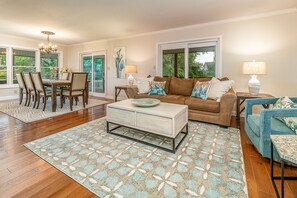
(130, 80)
(254, 85)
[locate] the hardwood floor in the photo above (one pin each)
(23, 174)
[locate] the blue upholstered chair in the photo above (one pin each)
(259, 127)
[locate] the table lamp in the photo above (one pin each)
(254, 68)
(129, 70)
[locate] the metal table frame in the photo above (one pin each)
(282, 177)
(174, 147)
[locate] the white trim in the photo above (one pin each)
(211, 40)
(12, 97)
(218, 22)
(94, 53)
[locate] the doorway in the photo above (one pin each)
(94, 64)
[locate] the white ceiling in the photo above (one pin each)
(77, 21)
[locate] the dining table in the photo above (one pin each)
(54, 84)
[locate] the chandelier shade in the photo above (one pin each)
(48, 48)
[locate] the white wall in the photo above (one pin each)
(11, 41)
(271, 38)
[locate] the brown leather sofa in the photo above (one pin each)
(179, 91)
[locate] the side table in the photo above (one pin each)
(241, 97)
(286, 147)
(118, 89)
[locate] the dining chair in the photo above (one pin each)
(40, 89)
(22, 88)
(30, 88)
(77, 88)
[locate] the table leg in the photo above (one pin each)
(87, 93)
(282, 178)
(54, 97)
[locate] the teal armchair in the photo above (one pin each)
(259, 127)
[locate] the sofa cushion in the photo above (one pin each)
(177, 99)
(181, 86)
(147, 96)
(277, 127)
(203, 105)
(162, 79)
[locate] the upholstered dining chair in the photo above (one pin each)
(30, 88)
(40, 89)
(22, 88)
(259, 127)
(77, 88)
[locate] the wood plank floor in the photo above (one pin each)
(23, 174)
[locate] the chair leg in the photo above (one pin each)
(29, 98)
(26, 98)
(71, 103)
(35, 101)
(21, 95)
(84, 99)
(38, 100)
(76, 100)
(61, 101)
(44, 101)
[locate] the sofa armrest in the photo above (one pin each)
(132, 92)
(226, 107)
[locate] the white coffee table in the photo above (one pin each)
(166, 119)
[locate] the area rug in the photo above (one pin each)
(209, 162)
(30, 114)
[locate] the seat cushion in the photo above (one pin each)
(181, 86)
(177, 99)
(277, 127)
(74, 93)
(203, 105)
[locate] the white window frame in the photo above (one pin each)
(5, 66)
(186, 44)
(9, 62)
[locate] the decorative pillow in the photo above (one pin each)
(143, 85)
(219, 88)
(157, 88)
(200, 89)
(286, 103)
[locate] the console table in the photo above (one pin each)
(242, 96)
(286, 147)
(118, 89)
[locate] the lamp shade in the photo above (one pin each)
(254, 68)
(130, 69)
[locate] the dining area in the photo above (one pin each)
(33, 89)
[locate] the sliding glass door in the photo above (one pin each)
(94, 64)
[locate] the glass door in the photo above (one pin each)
(94, 64)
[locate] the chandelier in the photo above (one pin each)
(48, 48)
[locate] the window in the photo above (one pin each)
(3, 66)
(23, 61)
(49, 65)
(190, 59)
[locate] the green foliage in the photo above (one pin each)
(196, 69)
(23, 60)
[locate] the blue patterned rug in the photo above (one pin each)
(209, 162)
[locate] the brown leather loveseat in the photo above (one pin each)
(179, 91)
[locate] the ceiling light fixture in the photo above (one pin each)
(48, 48)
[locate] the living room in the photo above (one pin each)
(262, 31)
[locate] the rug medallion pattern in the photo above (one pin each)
(209, 162)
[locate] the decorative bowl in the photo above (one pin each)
(145, 102)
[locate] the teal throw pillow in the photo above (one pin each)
(157, 88)
(200, 90)
(286, 103)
